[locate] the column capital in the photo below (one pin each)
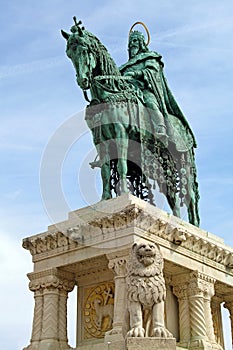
(51, 278)
(180, 285)
(201, 284)
(119, 265)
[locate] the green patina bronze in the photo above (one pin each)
(141, 136)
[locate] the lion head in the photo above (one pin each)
(145, 259)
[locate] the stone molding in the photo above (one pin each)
(51, 278)
(184, 237)
(48, 242)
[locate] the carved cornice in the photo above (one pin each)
(44, 243)
(51, 278)
(106, 224)
(134, 216)
(186, 239)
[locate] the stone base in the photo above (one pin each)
(103, 346)
(201, 344)
(150, 344)
(44, 345)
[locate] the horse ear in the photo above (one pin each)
(65, 35)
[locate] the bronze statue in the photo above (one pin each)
(141, 135)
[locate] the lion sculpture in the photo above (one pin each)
(145, 287)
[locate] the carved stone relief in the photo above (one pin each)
(146, 292)
(98, 310)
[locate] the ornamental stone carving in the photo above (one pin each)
(50, 289)
(132, 216)
(194, 292)
(97, 255)
(98, 310)
(118, 266)
(146, 292)
(56, 241)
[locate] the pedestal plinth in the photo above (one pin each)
(151, 344)
(91, 249)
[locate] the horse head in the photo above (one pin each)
(78, 49)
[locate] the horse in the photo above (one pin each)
(130, 155)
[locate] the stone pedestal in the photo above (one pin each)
(150, 344)
(91, 248)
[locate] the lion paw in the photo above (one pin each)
(136, 332)
(161, 332)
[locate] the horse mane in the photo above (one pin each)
(107, 64)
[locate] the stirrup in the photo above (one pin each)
(96, 164)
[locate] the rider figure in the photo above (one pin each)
(145, 68)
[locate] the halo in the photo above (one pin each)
(146, 29)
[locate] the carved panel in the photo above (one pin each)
(98, 310)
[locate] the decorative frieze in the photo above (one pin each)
(168, 230)
(44, 243)
(132, 216)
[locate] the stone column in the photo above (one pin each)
(49, 334)
(62, 315)
(38, 313)
(217, 319)
(51, 289)
(201, 289)
(208, 295)
(229, 305)
(180, 289)
(118, 265)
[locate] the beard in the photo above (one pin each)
(133, 51)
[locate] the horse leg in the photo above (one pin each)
(193, 195)
(105, 175)
(174, 204)
(122, 155)
(176, 207)
(193, 211)
(104, 164)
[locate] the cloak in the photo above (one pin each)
(178, 129)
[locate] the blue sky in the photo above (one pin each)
(39, 97)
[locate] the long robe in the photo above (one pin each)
(152, 79)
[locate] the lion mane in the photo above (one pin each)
(146, 293)
(145, 282)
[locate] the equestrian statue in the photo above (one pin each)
(142, 138)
